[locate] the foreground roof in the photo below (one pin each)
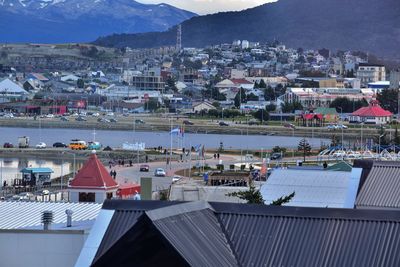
(146, 233)
(18, 215)
(381, 187)
(93, 175)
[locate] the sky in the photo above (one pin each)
(210, 6)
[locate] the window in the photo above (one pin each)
(87, 197)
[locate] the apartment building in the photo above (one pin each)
(368, 73)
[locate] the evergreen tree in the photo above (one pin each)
(396, 138)
(262, 84)
(304, 147)
(283, 200)
(80, 83)
(240, 98)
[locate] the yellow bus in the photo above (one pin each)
(78, 145)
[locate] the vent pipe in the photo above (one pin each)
(47, 219)
(69, 217)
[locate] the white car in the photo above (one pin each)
(159, 172)
(110, 114)
(176, 178)
(8, 115)
(342, 126)
(50, 116)
(41, 145)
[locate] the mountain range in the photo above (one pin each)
(62, 21)
(367, 25)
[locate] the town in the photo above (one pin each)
(193, 156)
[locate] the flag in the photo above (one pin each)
(175, 131)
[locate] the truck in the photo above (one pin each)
(23, 142)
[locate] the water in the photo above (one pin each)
(153, 139)
(10, 167)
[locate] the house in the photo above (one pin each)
(329, 114)
(11, 92)
(36, 176)
(204, 106)
(37, 76)
(313, 188)
(381, 187)
(69, 78)
(373, 114)
(92, 183)
(154, 233)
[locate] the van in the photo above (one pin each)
(78, 145)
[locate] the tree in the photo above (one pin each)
(262, 84)
(252, 196)
(279, 149)
(80, 83)
(240, 98)
(261, 114)
(396, 137)
(170, 85)
(251, 97)
(152, 104)
(283, 200)
(270, 107)
(343, 104)
(291, 107)
(269, 94)
(388, 99)
(304, 147)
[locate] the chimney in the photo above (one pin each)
(47, 219)
(69, 217)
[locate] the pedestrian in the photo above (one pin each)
(182, 157)
(123, 162)
(130, 163)
(115, 174)
(111, 173)
(215, 156)
(218, 155)
(147, 158)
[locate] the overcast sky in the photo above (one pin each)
(210, 6)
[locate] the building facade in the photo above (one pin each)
(368, 73)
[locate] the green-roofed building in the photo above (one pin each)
(330, 114)
(340, 166)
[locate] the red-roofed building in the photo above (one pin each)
(373, 114)
(93, 183)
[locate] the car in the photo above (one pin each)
(46, 192)
(332, 127)
(96, 114)
(80, 119)
(222, 123)
(8, 145)
(289, 125)
(254, 122)
(59, 144)
(159, 172)
(276, 156)
(64, 119)
(41, 145)
(8, 115)
(113, 120)
(110, 114)
(176, 178)
(49, 116)
(103, 120)
(144, 168)
(139, 121)
(125, 115)
(187, 122)
(342, 126)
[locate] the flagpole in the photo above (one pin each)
(170, 152)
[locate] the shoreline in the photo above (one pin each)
(200, 128)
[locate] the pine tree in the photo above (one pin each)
(304, 147)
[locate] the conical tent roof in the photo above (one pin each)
(93, 175)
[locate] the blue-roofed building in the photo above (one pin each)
(36, 176)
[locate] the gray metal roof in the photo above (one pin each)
(381, 188)
(312, 188)
(8, 86)
(228, 234)
(195, 234)
(18, 215)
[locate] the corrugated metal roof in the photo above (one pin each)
(381, 187)
(312, 188)
(17, 215)
(37, 170)
(207, 246)
(260, 235)
(330, 238)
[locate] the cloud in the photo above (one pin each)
(210, 6)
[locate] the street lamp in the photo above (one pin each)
(379, 149)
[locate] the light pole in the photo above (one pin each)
(379, 148)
